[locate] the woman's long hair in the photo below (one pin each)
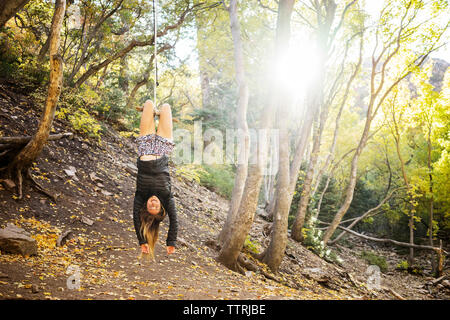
(150, 227)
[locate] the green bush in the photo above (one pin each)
(374, 259)
(403, 265)
(218, 178)
(190, 172)
(312, 239)
(251, 246)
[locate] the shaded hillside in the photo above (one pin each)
(94, 183)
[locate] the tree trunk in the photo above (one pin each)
(431, 209)
(275, 252)
(351, 185)
(241, 120)
(203, 71)
(363, 216)
(8, 8)
(296, 230)
(32, 150)
(315, 99)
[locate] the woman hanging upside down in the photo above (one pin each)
(153, 199)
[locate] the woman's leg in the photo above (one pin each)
(165, 125)
(147, 125)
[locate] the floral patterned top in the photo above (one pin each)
(154, 144)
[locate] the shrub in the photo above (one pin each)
(402, 265)
(190, 172)
(374, 259)
(312, 239)
(251, 246)
(218, 178)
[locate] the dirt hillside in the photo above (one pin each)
(94, 183)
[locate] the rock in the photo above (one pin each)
(3, 275)
(71, 172)
(446, 283)
(9, 184)
(94, 177)
(34, 288)
(15, 240)
(63, 238)
(87, 221)
(107, 193)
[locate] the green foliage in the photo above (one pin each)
(74, 107)
(190, 172)
(402, 265)
(252, 246)
(312, 239)
(82, 121)
(218, 178)
(374, 259)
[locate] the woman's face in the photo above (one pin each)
(153, 205)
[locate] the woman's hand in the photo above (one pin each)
(144, 248)
(170, 249)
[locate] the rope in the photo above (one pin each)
(155, 29)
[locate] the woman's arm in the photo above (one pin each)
(173, 222)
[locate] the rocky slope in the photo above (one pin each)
(94, 182)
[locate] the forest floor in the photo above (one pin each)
(95, 184)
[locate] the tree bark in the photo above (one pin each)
(8, 8)
(401, 244)
(241, 121)
(363, 216)
(296, 230)
(232, 238)
(273, 255)
(26, 139)
(431, 205)
(32, 150)
(278, 241)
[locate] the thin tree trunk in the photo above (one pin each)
(430, 212)
(31, 151)
(278, 241)
(396, 134)
(275, 251)
(296, 230)
(229, 250)
(330, 156)
(363, 216)
(315, 100)
(401, 244)
(350, 187)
